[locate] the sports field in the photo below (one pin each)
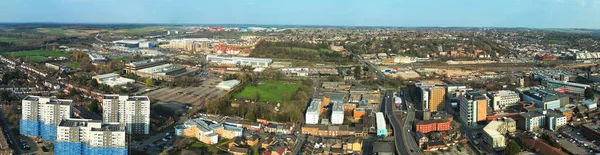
(35, 55)
(269, 91)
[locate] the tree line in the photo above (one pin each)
(298, 51)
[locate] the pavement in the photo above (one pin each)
(12, 140)
(405, 143)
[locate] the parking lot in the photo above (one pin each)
(573, 140)
(190, 95)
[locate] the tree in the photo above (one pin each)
(512, 148)
(93, 107)
(149, 82)
(256, 97)
(589, 93)
(357, 71)
(94, 83)
(4, 95)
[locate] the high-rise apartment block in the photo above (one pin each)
(473, 107)
(132, 111)
(41, 115)
(89, 137)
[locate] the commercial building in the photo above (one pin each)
(90, 137)
(337, 113)
(41, 115)
(503, 98)
(133, 66)
(313, 111)
(133, 111)
(495, 130)
(545, 99)
(207, 131)
(166, 72)
(381, 126)
(112, 79)
(239, 61)
(128, 43)
(473, 107)
(426, 126)
(566, 87)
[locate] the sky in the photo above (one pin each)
(398, 13)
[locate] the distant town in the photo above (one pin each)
(276, 90)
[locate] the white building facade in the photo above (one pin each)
(337, 113)
(133, 111)
(313, 111)
(503, 98)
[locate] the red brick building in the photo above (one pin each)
(427, 126)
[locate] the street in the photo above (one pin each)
(10, 137)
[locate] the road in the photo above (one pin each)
(301, 139)
(399, 144)
(11, 138)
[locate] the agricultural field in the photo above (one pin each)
(9, 39)
(269, 91)
(64, 32)
(35, 55)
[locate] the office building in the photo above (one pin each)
(381, 126)
(544, 99)
(473, 107)
(239, 61)
(426, 126)
(313, 111)
(565, 87)
(337, 113)
(204, 130)
(90, 137)
(503, 98)
(432, 97)
(494, 135)
(41, 115)
(133, 111)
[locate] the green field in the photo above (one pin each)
(35, 55)
(270, 91)
(60, 31)
(9, 39)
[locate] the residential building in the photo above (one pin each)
(591, 130)
(133, 111)
(531, 121)
(545, 99)
(89, 137)
(239, 61)
(383, 148)
(422, 139)
(555, 120)
(313, 111)
(337, 113)
(590, 104)
(503, 98)
(41, 115)
(426, 126)
(473, 107)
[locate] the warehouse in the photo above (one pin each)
(240, 61)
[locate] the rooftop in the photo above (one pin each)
(77, 122)
(474, 95)
(492, 128)
(542, 95)
(110, 127)
(531, 114)
(431, 121)
(338, 107)
(314, 106)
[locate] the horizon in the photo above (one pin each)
(536, 14)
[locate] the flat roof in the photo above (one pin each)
(110, 127)
(103, 76)
(492, 128)
(314, 106)
(531, 114)
(77, 123)
(338, 106)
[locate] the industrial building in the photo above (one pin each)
(381, 126)
(473, 107)
(89, 137)
(337, 113)
(128, 43)
(156, 69)
(503, 98)
(566, 87)
(133, 111)
(313, 111)
(239, 61)
(228, 85)
(112, 79)
(133, 66)
(41, 115)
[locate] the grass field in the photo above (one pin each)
(60, 31)
(270, 91)
(200, 145)
(9, 39)
(35, 55)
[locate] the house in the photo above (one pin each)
(237, 141)
(383, 147)
(252, 140)
(421, 139)
(435, 145)
(541, 146)
(357, 145)
(267, 142)
(238, 150)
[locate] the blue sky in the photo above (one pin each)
(408, 13)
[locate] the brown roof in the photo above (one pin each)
(542, 147)
(238, 150)
(424, 122)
